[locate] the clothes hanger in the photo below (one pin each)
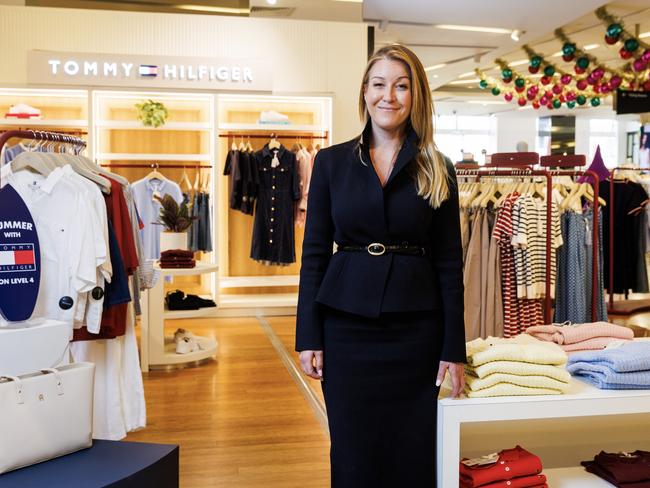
(155, 174)
(185, 180)
(249, 146)
(233, 146)
(206, 183)
(273, 143)
(242, 146)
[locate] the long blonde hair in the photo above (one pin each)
(431, 175)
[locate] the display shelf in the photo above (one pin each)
(171, 357)
(137, 125)
(190, 314)
(574, 478)
(233, 127)
(200, 268)
(582, 400)
(156, 350)
(45, 123)
(151, 156)
(268, 280)
(258, 300)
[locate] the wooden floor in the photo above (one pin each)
(240, 421)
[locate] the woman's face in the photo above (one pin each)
(388, 94)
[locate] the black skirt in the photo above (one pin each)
(379, 387)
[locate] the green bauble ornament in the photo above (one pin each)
(520, 82)
(495, 91)
(614, 30)
(595, 102)
(483, 84)
(557, 103)
(568, 49)
(535, 61)
(549, 71)
(506, 73)
(571, 104)
(631, 45)
(583, 62)
(581, 99)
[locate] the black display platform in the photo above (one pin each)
(107, 464)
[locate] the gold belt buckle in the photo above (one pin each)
(376, 249)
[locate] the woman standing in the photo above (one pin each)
(380, 321)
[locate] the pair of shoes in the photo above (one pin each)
(176, 300)
(187, 342)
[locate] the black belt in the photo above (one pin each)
(377, 249)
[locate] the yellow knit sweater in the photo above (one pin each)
(508, 389)
(520, 369)
(522, 348)
(534, 382)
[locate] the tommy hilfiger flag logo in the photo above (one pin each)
(148, 70)
(17, 257)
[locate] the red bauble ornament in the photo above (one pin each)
(568, 58)
(624, 53)
(507, 80)
(596, 88)
(582, 84)
(520, 89)
(508, 97)
(646, 56)
(605, 88)
(571, 96)
(646, 85)
(557, 89)
(639, 65)
(543, 100)
(598, 73)
(536, 105)
(578, 70)
(530, 96)
(549, 105)
(591, 80)
(521, 101)
(611, 40)
(545, 80)
(533, 70)
(562, 98)
(615, 81)
(566, 79)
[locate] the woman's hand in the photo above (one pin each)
(311, 363)
(457, 374)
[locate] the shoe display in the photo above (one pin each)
(187, 345)
(188, 342)
(177, 300)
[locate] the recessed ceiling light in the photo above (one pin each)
(590, 47)
(435, 67)
(519, 62)
(558, 54)
(271, 2)
(472, 28)
(644, 35)
(468, 74)
(435, 76)
(463, 82)
(514, 35)
(218, 10)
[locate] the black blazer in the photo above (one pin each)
(348, 205)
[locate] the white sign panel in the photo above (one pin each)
(59, 68)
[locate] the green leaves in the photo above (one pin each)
(175, 218)
(151, 113)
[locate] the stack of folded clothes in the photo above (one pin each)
(177, 300)
(177, 258)
(621, 368)
(521, 365)
(623, 469)
(581, 337)
(513, 468)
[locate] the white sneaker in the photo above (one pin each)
(187, 345)
(181, 334)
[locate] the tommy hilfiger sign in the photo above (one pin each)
(46, 67)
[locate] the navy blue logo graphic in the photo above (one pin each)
(20, 258)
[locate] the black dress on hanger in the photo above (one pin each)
(273, 240)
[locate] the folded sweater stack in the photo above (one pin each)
(512, 468)
(521, 365)
(622, 368)
(177, 258)
(581, 337)
(625, 470)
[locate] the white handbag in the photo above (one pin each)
(45, 414)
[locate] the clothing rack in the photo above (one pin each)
(277, 136)
(571, 161)
(639, 305)
(526, 172)
(40, 136)
(156, 166)
(64, 132)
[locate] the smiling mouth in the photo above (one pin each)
(387, 108)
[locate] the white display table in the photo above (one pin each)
(583, 400)
(158, 351)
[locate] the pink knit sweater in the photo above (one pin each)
(580, 337)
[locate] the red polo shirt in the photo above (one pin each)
(512, 463)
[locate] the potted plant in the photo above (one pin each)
(176, 219)
(151, 113)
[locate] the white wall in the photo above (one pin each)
(310, 57)
(514, 127)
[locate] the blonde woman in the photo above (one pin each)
(380, 321)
